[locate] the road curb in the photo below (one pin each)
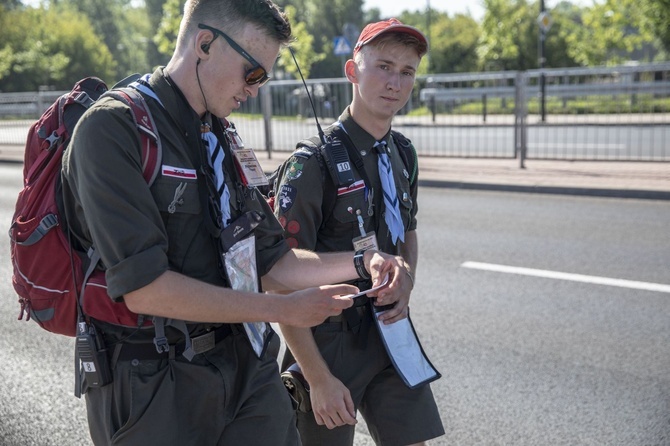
(552, 190)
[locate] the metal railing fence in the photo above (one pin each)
(603, 113)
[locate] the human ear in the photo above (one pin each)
(351, 71)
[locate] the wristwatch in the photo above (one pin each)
(359, 264)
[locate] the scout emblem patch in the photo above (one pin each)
(287, 196)
(294, 171)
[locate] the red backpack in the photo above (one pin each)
(48, 274)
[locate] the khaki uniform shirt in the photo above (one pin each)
(301, 194)
(108, 203)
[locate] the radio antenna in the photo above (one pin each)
(309, 96)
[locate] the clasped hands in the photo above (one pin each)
(398, 289)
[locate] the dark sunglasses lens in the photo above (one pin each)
(256, 75)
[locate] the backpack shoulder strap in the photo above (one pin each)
(408, 155)
(314, 147)
(152, 148)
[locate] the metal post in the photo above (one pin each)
(428, 34)
(520, 112)
(542, 36)
(266, 107)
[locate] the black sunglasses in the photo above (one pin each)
(256, 74)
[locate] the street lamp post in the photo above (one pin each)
(544, 22)
(428, 33)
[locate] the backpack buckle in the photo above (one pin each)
(84, 99)
(161, 344)
(53, 139)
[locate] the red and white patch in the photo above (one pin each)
(358, 185)
(179, 172)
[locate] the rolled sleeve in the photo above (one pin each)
(135, 272)
(115, 210)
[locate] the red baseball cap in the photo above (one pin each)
(374, 30)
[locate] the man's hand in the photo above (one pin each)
(331, 402)
(400, 285)
(310, 307)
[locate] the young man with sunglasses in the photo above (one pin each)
(343, 361)
(189, 250)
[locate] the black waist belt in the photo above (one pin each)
(147, 350)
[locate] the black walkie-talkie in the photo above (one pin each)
(338, 163)
(93, 356)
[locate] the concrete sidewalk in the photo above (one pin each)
(630, 179)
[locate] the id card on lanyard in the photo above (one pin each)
(367, 240)
(238, 245)
(246, 162)
(240, 261)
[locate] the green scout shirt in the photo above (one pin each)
(300, 195)
(109, 204)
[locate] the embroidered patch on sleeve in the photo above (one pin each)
(178, 172)
(287, 196)
(293, 227)
(294, 171)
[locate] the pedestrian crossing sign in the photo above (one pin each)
(341, 46)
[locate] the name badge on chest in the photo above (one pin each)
(245, 160)
(367, 240)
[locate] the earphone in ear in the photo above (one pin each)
(205, 47)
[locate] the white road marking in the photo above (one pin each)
(661, 288)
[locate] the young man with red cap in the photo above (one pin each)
(367, 198)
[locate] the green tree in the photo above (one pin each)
(658, 14)
(54, 47)
(565, 17)
(509, 35)
(10, 4)
(153, 17)
(302, 46)
(6, 60)
(106, 18)
(123, 27)
(325, 20)
(166, 37)
(453, 46)
(612, 31)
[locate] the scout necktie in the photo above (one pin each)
(216, 156)
(392, 213)
(256, 331)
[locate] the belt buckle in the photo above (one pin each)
(203, 343)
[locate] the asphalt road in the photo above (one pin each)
(526, 359)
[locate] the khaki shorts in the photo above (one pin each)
(395, 415)
(225, 396)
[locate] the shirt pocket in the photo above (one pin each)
(176, 197)
(344, 212)
(178, 201)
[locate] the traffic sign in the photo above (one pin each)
(341, 45)
(544, 20)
